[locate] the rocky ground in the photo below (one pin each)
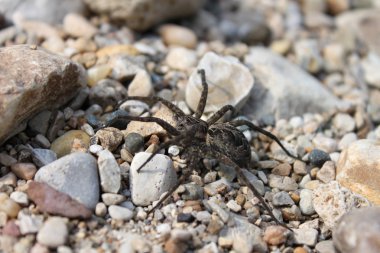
(307, 71)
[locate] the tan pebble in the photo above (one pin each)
(225, 242)
(300, 250)
(215, 226)
(117, 49)
(77, 26)
(313, 172)
(178, 35)
(97, 73)
(8, 206)
(282, 169)
(83, 45)
(240, 199)
(87, 59)
(141, 85)
(110, 138)
(299, 168)
(295, 197)
(275, 235)
(24, 171)
(9, 179)
(62, 145)
(152, 148)
(79, 146)
(126, 156)
(280, 46)
(313, 184)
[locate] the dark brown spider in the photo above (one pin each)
(206, 139)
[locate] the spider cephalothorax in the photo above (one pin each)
(201, 139)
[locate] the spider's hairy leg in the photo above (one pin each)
(224, 159)
(177, 139)
(264, 132)
(202, 101)
(154, 99)
(216, 116)
(169, 128)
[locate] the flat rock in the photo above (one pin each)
(54, 202)
(307, 236)
(76, 175)
(358, 169)
(109, 172)
(143, 14)
(41, 80)
(331, 202)
(279, 84)
(229, 82)
(358, 231)
(158, 173)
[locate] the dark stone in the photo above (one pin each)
(134, 142)
(318, 157)
(185, 217)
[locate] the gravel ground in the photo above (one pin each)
(306, 71)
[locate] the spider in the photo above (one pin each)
(205, 139)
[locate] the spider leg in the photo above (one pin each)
(175, 140)
(264, 132)
(224, 159)
(169, 128)
(216, 116)
(154, 99)
(202, 101)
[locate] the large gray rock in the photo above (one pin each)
(76, 175)
(283, 89)
(49, 11)
(143, 14)
(358, 231)
(32, 80)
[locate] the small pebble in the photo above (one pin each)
(306, 236)
(275, 235)
(112, 198)
(306, 202)
(318, 157)
(20, 198)
(282, 199)
(8, 206)
(100, 209)
(120, 213)
(110, 138)
(133, 142)
(185, 217)
(53, 233)
(232, 205)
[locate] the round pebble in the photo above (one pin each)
(318, 157)
(53, 233)
(133, 142)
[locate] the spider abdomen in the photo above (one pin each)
(229, 141)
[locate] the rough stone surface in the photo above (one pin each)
(109, 172)
(229, 82)
(158, 173)
(143, 14)
(54, 202)
(279, 84)
(41, 80)
(358, 169)
(331, 202)
(76, 175)
(358, 231)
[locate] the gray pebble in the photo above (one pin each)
(173, 150)
(109, 172)
(325, 247)
(112, 198)
(120, 213)
(282, 199)
(40, 122)
(88, 129)
(306, 202)
(100, 209)
(306, 236)
(192, 192)
(42, 157)
(75, 174)
(133, 142)
(318, 157)
(282, 183)
(42, 141)
(7, 160)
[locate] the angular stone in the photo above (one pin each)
(53, 233)
(54, 202)
(76, 175)
(41, 80)
(222, 74)
(358, 169)
(306, 236)
(331, 202)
